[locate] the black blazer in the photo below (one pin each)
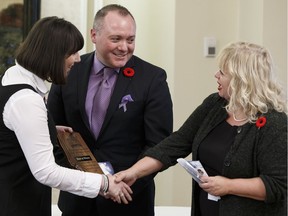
(124, 136)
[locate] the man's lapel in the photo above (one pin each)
(121, 85)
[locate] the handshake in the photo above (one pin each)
(112, 186)
(117, 186)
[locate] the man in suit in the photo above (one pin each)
(139, 114)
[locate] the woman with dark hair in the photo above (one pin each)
(27, 165)
(50, 42)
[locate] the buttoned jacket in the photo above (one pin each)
(256, 152)
(127, 131)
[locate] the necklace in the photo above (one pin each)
(238, 120)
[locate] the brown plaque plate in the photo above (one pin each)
(77, 152)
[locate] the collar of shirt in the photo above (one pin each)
(19, 75)
(98, 66)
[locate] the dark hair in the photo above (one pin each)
(48, 44)
(98, 19)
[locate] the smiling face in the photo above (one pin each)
(223, 80)
(69, 62)
(115, 41)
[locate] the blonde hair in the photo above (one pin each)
(253, 87)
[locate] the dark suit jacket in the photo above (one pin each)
(124, 136)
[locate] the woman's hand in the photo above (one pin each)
(253, 188)
(128, 176)
(118, 191)
(61, 128)
(216, 185)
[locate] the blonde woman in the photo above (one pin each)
(239, 135)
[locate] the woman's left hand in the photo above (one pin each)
(253, 188)
(61, 128)
(216, 185)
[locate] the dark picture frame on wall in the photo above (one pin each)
(16, 20)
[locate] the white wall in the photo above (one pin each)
(74, 11)
(275, 34)
(170, 34)
(155, 30)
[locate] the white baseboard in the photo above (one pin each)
(159, 211)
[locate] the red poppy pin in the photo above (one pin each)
(261, 121)
(128, 72)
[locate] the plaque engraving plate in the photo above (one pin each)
(77, 152)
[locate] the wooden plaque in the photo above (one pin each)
(77, 152)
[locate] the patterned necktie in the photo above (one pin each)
(101, 100)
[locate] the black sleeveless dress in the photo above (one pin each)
(20, 193)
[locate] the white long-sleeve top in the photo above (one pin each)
(25, 113)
